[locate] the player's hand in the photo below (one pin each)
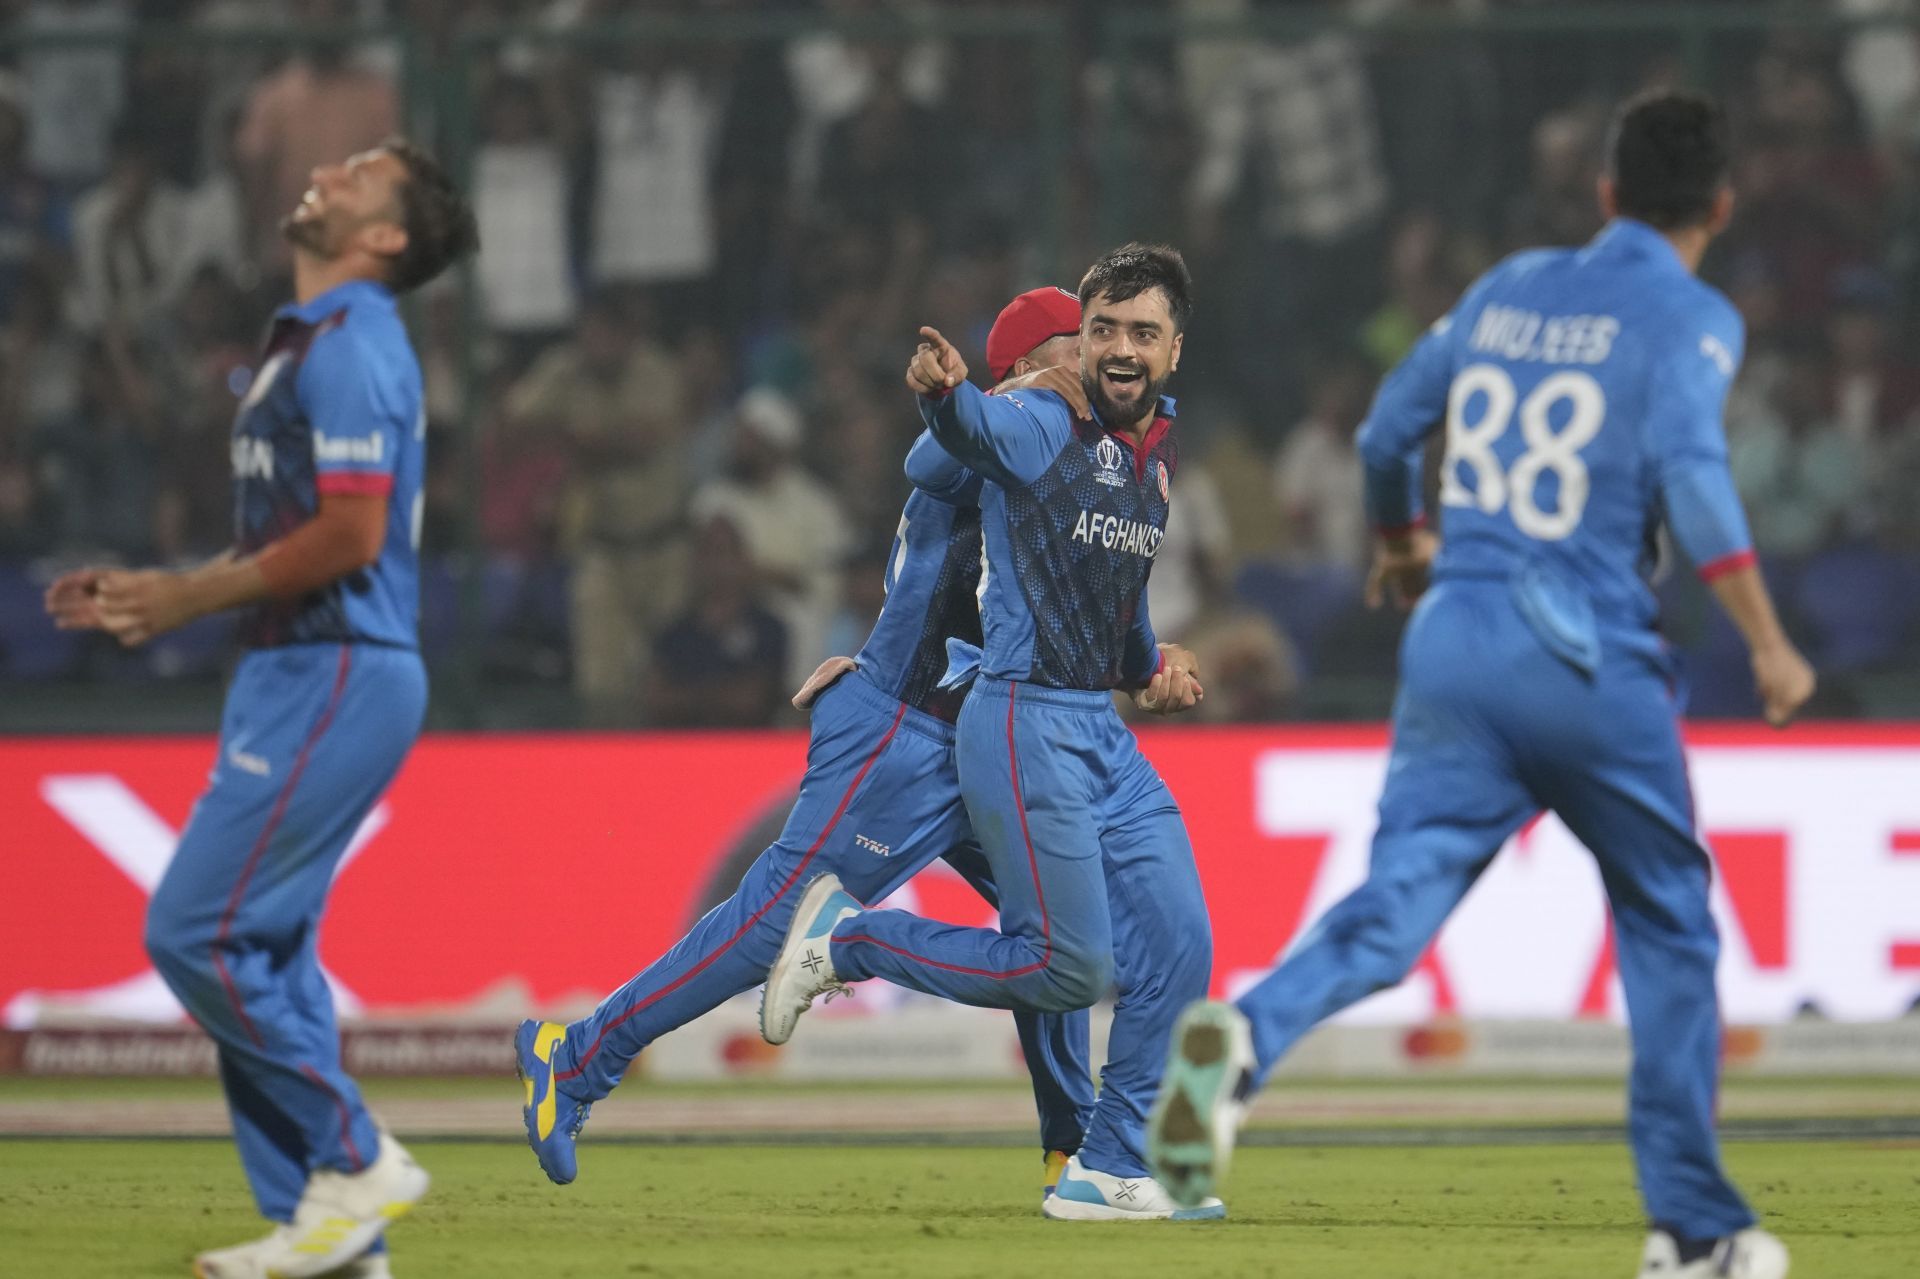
(827, 672)
(135, 606)
(936, 366)
(1785, 682)
(1062, 379)
(1175, 687)
(1400, 569)
(71, 600)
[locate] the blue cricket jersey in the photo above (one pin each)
(336, 407)
(1071, 517)
(1582, 393)
(932, 575)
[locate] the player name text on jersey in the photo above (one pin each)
(1519, 334)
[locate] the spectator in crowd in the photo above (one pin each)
(33, 221)
(201, 364)
(520, 192)
(315, 109)
(795, 533)
(1557, 207)
(603, 416)
(74, 91)
(722, 663)
(833, 77)
(1804, 481)
(42, 368)
(656, 123)
(863, 592)
(125, 233)
(1440, 100)
(102, 464)
(1296, 118)
(1874, 392)
(1316, 478)
(1421, 287)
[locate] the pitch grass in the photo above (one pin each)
(81, 1209)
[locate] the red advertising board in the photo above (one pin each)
(562, 863)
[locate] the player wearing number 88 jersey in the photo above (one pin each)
(1581, 392)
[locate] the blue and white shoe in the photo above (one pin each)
(1086, 1194)
(553, 1119)
(803, 970)
(1203, 1099)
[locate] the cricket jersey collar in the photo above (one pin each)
(1163, 415)
(338, 298)
(1632, 238)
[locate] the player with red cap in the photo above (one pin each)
(1039, 329)
(879, 802)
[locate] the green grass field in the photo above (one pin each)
(94, 1208)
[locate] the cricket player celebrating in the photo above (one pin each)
(880, 800)
(329, 454)
(1582, 391)
(1086, 845)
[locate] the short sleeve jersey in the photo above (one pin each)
(334, 408)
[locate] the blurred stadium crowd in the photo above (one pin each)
(666, 423)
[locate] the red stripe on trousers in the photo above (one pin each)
(581, 1064)
(1033, 863)
(346, 1120)
(266, 835)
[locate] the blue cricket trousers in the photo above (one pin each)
(879, 802)
(1097, 884)
(310, 737)
(1490, 728)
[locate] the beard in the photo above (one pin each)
(1128, 412)
(310, 234)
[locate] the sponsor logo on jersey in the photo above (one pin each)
(350, 448)
(1115, 533)
(252, 458)
(872, 845)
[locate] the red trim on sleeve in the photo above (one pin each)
(1401, 530)
(1728, 564)
(355, 483)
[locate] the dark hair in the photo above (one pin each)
(1668, 155)
(438, 220)
(1132, 269)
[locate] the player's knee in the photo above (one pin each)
(1076, 981)
(173, 942)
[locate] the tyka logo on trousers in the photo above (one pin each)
(873, 846)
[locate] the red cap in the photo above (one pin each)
(1026, 322)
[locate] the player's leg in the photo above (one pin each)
(311, 738)
(1450, 802)
(865, 764)
(1163, 952)
(1054, 1045)
(1452, 798)
(1025, 765)
(1623, 792)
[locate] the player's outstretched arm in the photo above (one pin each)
(344, 536)
(1002, 437)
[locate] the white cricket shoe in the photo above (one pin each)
(341, 1214)
(803, 970)
(1087, 1194)
(1751, 1254)
(249, 1261)
(1202, 1102)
